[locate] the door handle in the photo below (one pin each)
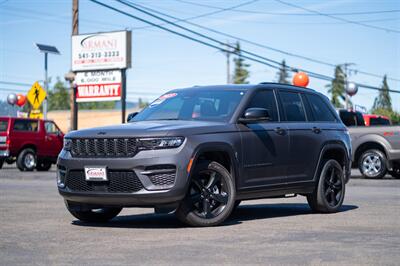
(279, 131)
(316, 130)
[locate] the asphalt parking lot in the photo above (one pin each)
(36, 229)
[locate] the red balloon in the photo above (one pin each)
(301, 79)
(21, 99)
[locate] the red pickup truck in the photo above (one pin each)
(32, 143)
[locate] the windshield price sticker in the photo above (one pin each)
(162, 99)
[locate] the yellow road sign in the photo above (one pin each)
(36, 114)
(36, 95)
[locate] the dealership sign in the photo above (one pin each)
(96, 86)
(98, 51)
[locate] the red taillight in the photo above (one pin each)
(7, 142)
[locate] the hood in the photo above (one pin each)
(158, 128)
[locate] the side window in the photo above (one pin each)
(320, 109)
(26, 125)
(265, 99)
(50, 128)
(292, 106)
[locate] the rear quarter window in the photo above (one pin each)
(320, 109)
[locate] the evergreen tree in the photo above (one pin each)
(240, 74)
(337, 87)
(283, 74)
(383, 101)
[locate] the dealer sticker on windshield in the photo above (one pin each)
(95, 174)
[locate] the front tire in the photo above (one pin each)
(396, 170)
(372, 164)
(43, 166)
(210, 198)
(329, 193)
(27, 160)
(99, 215)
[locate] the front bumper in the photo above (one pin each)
(149, 193)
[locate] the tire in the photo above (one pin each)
(100, 215)
(372, 164)
(329, 192)
(210, 198)
(43, 166)
(237, 203)
(395, 171)
(26, 160)
(1, 163)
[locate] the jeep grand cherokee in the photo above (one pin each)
(200, 151)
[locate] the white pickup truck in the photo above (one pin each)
(375, 149)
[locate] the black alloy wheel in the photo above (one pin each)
(208, 194)
(333, 186)
(329, 192)
(211, 196)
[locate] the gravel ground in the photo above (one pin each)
(36, 229)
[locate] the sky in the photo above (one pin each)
(162, 61)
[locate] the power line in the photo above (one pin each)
(15, 83)
(310, 73)
(317, 75)
(258, 44)
(338, 18)
(293, 14)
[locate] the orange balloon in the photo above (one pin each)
(21, 99)
(301, 79)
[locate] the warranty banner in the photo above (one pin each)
(96, 86)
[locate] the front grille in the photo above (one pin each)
(104, 147)
(118, 182)
(162, 179)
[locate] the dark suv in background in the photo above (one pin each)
(200, 151)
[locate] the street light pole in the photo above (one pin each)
(45, 86)
(46, 49)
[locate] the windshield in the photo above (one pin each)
(206, 105)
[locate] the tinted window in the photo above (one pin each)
(351, 119)
(205, 104)
(378, 121)
(320, 109)
(3, 125)
(265, 99)
(51, 128)
(292, 106)
(26, 125)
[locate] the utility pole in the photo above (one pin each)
(228, 52)
(73, 103)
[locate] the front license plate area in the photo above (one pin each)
(96, 173)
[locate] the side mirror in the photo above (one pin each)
(131, 116)
(255, 115)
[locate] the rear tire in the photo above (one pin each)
(1, 163)
(329, 193)
(27, 160)
(100, 215)
(210, 198)
(43, 166)
(372, 164)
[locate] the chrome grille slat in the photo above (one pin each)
(104, 147)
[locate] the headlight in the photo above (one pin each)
(160, 143)
(67, 144)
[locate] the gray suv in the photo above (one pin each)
(199, 151)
